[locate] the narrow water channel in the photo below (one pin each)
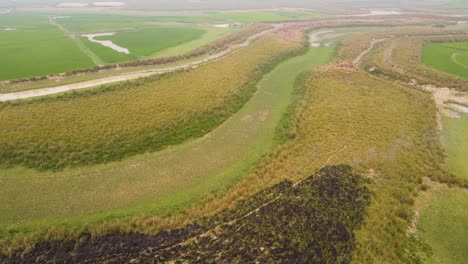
(162, 182)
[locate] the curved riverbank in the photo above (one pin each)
(157, 183)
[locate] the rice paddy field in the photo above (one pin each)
(449, 57)
(55, 41)
(147, 41)
(248, 17)
(36, 48)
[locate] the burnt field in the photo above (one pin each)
(312, 221)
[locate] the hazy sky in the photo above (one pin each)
(246, 4)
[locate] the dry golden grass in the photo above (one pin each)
(399, 56)
(135, 117)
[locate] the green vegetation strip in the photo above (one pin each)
(443, 224)
(456, 141)
(156, 183)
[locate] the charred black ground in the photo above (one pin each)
(312, 221)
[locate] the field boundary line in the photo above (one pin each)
(96, 60)
(130, 75)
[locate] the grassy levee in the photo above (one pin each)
(443, 224)
(154, 183)
(133, 117)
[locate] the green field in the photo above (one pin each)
(55, 42)
(443, 225)
(145, 36)
(107, 55)
(443, 211)
(36, 43)
(147, 41)
(251, 16)
(456, 140)
(210, 34)
(448, 57)
(86, 23)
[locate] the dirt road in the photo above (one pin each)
(128, 76)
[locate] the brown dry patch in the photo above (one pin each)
(350, 67)
(292, 33)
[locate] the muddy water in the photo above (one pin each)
(106, 43)
(460, 108)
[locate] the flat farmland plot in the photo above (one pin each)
(259, 16)
(32, 47)
(85, 23)
(448, 57)
(147, 41)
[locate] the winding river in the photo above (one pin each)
(161, 182)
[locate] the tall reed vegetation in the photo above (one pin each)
(128, 118)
